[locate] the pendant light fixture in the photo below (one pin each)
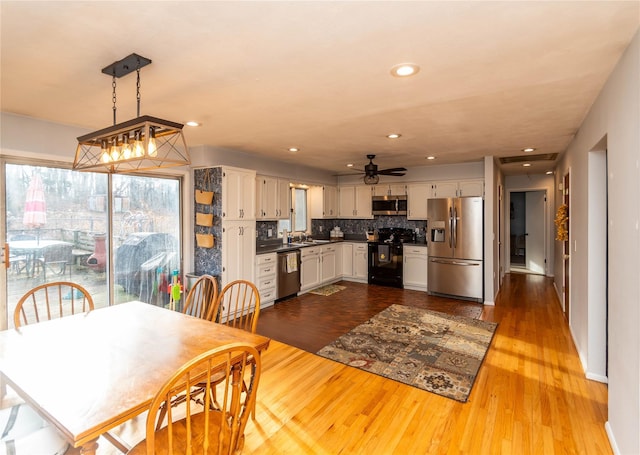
(141, 144)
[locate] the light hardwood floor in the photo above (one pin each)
(530, 396)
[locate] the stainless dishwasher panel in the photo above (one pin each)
(288, 274)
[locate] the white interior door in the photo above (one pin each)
(535, 232)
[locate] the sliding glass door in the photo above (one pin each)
(118, 236)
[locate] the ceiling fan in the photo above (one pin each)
(371, 172)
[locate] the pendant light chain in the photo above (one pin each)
(138, 88)
(113, 97)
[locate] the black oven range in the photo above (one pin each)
(385, 256)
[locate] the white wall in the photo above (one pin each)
(217, 156)
(438, 172)
(616, 116)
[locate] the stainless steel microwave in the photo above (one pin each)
(389, 205)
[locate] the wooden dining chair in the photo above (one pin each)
(209, 427)
(202, 298)
(51, 301)
(239, 305)
(55, 259)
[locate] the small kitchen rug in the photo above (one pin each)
(433, 351)
(327, 289)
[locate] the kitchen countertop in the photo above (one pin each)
(276, 246)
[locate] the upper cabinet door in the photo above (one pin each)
(238, 194)
(417, 195)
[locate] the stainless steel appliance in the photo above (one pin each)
(456, 247)
(385, 256)
(288, 273)
(389, 205)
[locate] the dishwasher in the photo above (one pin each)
(288, 273)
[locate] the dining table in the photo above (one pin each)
(31, 250)
(88, 373)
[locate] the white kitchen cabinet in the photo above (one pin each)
(339, 259)
(327, 263)
(444, 189)
(354, 201)
(347, 260)
(453, 188)
(397, 189)
(354, 262)
(417, 195)
(310, 272)
(323, 202)
(360, 262)
(267, 278)
(471, 188)
(238, 225)
(272, 198)
(238, 194)
(414, 267)
(238, 251)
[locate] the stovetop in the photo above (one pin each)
(396, 235)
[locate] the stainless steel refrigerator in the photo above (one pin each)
(455, 248)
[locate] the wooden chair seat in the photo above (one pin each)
(179, 430)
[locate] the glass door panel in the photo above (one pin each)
(52, 230)
(61, 225)
(146, 237)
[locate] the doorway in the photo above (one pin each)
(116, 235)
(527, 228)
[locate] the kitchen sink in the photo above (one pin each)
(310, 242)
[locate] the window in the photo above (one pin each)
(298, 220)
(55, 211)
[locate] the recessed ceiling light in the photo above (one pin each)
(394, 135)
(404, 69)
(350, 165)
(431, 157)
(528, 149)
(549, 172)
(294, 149)
(192, 123)
(526, 164)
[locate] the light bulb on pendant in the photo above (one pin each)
(105, 158)
(126, 147)
(113, 151)
(138, 148)
(152, 149)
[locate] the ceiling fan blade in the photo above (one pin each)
(393, 169)
(349, 173)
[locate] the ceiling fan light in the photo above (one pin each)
(371, 179)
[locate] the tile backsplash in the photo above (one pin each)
(351, 228)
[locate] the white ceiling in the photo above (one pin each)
(264, 76)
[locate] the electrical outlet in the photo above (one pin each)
(269, 232)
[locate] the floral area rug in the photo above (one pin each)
(328, 289)
(433, 351)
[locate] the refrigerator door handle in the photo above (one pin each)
(450, 227)
(455, 228)
(469, 264)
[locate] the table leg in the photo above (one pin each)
(89, 448)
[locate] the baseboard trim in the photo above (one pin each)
(597, 377)
(612, 438)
